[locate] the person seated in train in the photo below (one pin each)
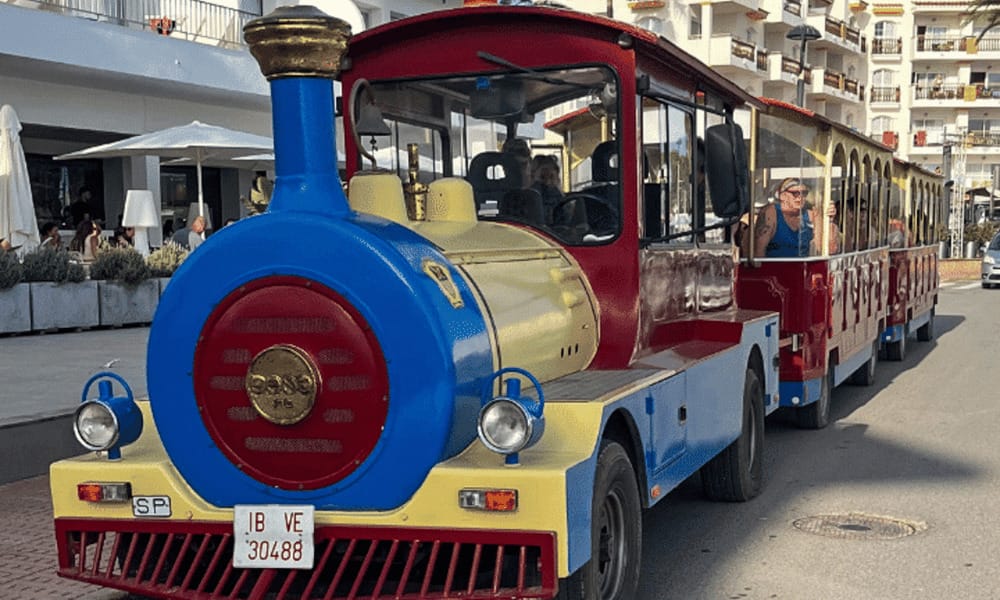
(545, 180)
(899, 236)
(785, 229)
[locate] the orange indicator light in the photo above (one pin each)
(89, 492)
(501, 500)
(489, 500)
(104, 492)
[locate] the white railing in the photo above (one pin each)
(194, 20)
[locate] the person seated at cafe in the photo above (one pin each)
(124, 237)
(5, 245)
(197, 230)
(50, 236)
(87, 240)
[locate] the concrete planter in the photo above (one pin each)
(123, 304)
(62, 305)
(15, 309)
(162, 282)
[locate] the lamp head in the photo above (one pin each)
(803, 33)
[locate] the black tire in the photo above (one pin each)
(925, 332)
(735, 475)
(817, 414)
(896, 350)
(612, 573)
(865, 375)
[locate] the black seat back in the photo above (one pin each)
(493, 174)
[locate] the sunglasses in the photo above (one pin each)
(798, 193)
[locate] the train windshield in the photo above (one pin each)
(539, 147)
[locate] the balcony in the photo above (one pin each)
(889, 138)
(732, 56)
(837, 35)
(192, 20)
(885, 95)
(786, 69)
(887, 48)
(949, 94)
(837, 86)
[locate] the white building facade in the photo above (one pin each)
(84, 72)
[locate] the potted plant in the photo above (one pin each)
(15, 297)
(127, 294)
(164, 261)
(60, 294)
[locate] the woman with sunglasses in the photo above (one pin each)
(785, 229)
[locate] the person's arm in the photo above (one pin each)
(95, 243)
(833, 244)
(764, 228)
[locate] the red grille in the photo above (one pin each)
(352, 402)
(194, 560)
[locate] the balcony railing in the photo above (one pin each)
(982, 138)
(193, 20)
(885, 94)
(887, 46)
(761, 60)
(947, 91)
(792, 7)
(988, 44)
(941, 43)
(792, 66)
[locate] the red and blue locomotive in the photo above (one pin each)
(452, 381)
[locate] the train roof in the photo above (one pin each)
(914, 166)
(582, 24)
(807, 117)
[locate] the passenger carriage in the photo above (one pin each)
(833, 301)
(918, 212)
(451, 383)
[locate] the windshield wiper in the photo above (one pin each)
(503, 62)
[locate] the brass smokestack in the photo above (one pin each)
(297, 41)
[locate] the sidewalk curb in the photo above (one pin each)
(24, 457)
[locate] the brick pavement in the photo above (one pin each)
(28, 560)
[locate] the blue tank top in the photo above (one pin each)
(788, 243)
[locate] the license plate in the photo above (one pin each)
(273, 537)
(151, 506)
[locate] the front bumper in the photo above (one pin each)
(185, 559)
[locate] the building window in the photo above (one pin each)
(56, 184)
(694, 21)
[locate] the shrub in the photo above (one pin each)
(46, 264)
(11, 271)
(165, 260)
(124, 265)
(980, 234)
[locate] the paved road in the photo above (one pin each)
(921, 445)
(918, 446)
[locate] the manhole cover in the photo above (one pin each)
(858, 526)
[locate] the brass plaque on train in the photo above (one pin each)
(282, 384)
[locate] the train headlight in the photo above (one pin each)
(510, 423)
(107, 422)
(95, 426)
(504, 426)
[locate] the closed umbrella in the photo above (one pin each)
(200, 142)
(17, 209)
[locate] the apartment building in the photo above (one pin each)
(84, 72)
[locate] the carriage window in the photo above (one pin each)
(789, 191)
(539, 148)
(669, 191)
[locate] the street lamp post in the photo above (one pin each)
(802, 34)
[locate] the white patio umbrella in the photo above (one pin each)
(17, 209)
(202, 143)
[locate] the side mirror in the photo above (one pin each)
(726, 169)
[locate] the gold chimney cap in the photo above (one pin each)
(297, 41)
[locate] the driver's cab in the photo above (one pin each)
(538, 148)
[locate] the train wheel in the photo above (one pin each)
(817, 414)
(925, 332)
(735, 475)
(865, 375)
(615, 533)
(896, 350)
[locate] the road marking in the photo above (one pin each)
(945, 284)
(969, 286)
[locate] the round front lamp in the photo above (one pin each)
(511, 422)
(108, 422)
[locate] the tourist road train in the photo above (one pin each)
(532, 300)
